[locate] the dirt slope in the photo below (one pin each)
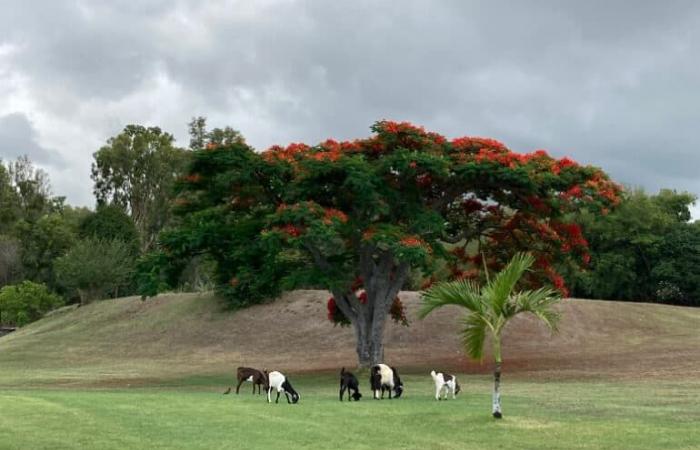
(186, 334)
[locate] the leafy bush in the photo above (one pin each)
(95, 268)
(26, 302)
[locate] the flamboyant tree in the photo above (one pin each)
(357, 217)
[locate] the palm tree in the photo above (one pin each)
(490, 308)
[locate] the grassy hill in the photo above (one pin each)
(128, 341)
(124, 374)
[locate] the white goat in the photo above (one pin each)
(281, 383)
(446, 381)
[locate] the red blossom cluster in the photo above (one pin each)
(291, 230)
(288, 153)
(474, 144)
(397, 312)
(335, 315)
(412, 241)
(471, 205)
(389, 126)
(330, 213)
(362, 297)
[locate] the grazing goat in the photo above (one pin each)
(349, 381)
(446, 381)
(257, 377)
(281, 384)
(384, 378)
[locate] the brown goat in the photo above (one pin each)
(255, 376)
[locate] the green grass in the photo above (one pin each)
(192, 413)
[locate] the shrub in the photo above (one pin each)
(95, 268)
(26, 302)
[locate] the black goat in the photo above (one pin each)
(349, 381)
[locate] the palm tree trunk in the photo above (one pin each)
(496, 403)
(496, 391)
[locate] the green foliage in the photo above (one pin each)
(32, 189)
(26, 302)
(110, 222)
(41, 243)
(25, 193)
(136, 171)
(10, 259)
(200, 137)
(9, 200)
(94, 268)
(643, 251)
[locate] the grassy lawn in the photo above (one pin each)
(192, 413)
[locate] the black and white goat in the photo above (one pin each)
(281, 384)
(349, 381)
(255, 376)
(445, 381)
(384, 378)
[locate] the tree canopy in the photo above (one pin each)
(355, 217)
(136, 171)
(643, 251)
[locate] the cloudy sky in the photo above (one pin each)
(610, 83)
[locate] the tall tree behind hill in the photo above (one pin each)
(9, 201)
(136, 171)
(25, 192)
(200, 138)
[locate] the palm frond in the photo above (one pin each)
(539, 302)
(474, 335)
(463, 293)
(502, 285)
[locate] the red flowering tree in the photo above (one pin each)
(356, 217)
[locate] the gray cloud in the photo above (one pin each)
(609, 83)
(18, 137)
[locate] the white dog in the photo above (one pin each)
(446, 381)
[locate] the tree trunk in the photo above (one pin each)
(382, 279)
(363, 343)
(497, 391)
(370, 336)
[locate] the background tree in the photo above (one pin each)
(10, 260)
(490, 308)
(355, 217)
(136, 171)
(110, 222)
(32, 188)
(200, 137)
(644, 251)
(41, 243)
(9, 200)
(96, 268)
